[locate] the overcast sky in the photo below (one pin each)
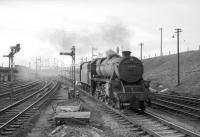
(46, 27)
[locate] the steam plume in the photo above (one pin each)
(108, 35)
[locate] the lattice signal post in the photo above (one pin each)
(14, 50)
(72, 54)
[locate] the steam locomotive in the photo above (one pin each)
(116, 80)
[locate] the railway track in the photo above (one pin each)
(183, 105)
(18, 89)
(145, 124)
(8, 82)
(15, 86)
(14, 116)
(11, 97)
(7, 85)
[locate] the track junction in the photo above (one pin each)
(21, 110)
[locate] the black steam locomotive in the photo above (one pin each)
(116, 80)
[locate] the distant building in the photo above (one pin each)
(5, 74)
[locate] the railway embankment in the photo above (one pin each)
(162, 72)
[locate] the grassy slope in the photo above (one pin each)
(163, 70)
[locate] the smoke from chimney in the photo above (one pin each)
(108, 35)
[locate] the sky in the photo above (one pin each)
(44, 28)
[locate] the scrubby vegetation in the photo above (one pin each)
(163, 71)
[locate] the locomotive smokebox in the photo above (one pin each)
(126, 54)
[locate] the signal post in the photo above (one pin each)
(14, 50)
(72, 54)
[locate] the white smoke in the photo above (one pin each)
(110, 53)
(108, 35)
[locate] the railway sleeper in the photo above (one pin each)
(18, 123)
(121, 119)
(139, 119)
(10, 129)
(140, 132)
(126, 122)
(29, 113)
(158, 128)
(130, 126)
(13, 110)
(22, 119)
(4, 121)
(3, 117)
(146, 135)
(177, 135)
(145, 120)
(128, 114)
(11, 113)
(4, 133)
(173, 135)
(167, 132)
(35, 108)
(26, 116)
(118, 118)
(136, 129)
(14, 126)
(150, 123)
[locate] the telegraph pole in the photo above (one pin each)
(161, 53)
(141, 45)
(178, 30)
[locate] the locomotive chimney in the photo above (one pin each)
(126, 54)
